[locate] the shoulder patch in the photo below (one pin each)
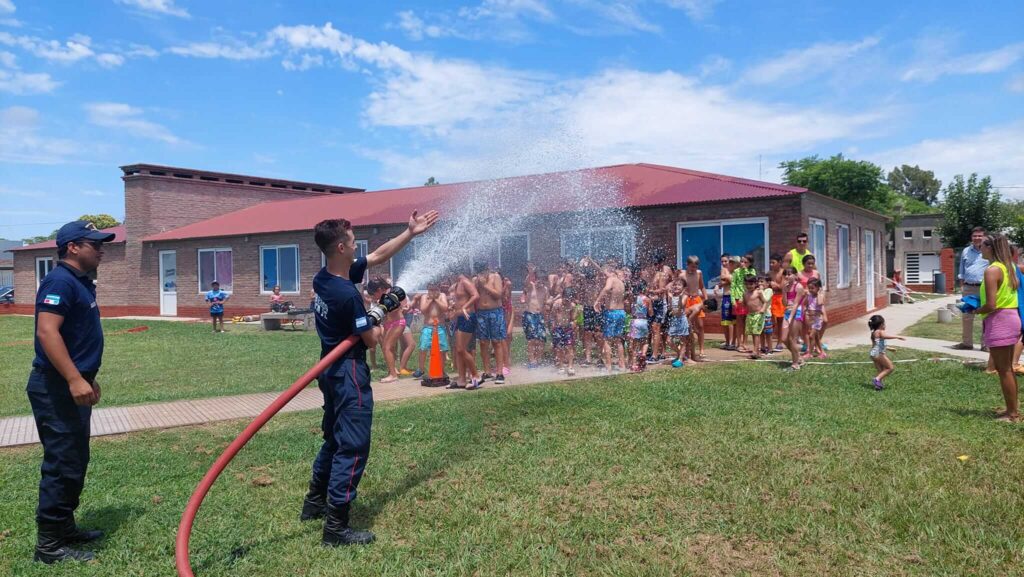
(51, 300)
(361, 322)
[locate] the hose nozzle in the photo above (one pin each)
(388, 302)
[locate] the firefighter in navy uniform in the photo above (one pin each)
(348, 399)
(62, 387)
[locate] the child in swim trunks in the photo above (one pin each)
(563, 311)
(695, 294)
(639, 329)
(753, 300)
(878, 356)
(679, 325)
(769, 324)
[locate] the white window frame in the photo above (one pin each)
(359, 243)
(860, 254)
(298, 268)
(821, 260)
(625, 243)
(680, 257)
(926, 233)
(908, 234)
(199, 276)
(841, 248)
(39, 279)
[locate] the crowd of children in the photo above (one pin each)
(608, 315)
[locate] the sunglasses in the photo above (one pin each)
(801, 241)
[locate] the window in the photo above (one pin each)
(816, 233)
(926, 233)
(215, 265)
(908, 234)
(707, 240)
(843, 234)
(600, 244)
(859, 239)
(44, 265)
(279, 265)
(362, 249)
(920, 267)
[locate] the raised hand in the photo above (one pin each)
(419, 224)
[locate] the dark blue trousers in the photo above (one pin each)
(64, 433)
(348, 416)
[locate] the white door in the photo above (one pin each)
(168, 283)
(869, 268)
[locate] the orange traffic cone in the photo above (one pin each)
(436, 376)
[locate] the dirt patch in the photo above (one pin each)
(715, 555)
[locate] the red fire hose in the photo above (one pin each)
(181, 559)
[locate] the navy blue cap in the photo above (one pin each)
(81, 230)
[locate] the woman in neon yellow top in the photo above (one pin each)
(1001, 324)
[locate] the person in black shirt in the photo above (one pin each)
(348, 399)
(62, 387)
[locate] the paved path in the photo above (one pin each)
(16, 431)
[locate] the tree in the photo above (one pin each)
(967, 204)
(100, 221)
(852, 181)
(916, 183)
(431, 182)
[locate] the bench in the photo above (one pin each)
(297, 319)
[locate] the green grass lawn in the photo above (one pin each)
(929, 328)
(724, 469)
(176, 361)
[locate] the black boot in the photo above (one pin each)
(52, 547)
(74, 534)
(315, 504)
(337, 532)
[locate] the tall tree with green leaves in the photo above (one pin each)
(915, 182)
(854, 181)
(100, 221)
(967, 204)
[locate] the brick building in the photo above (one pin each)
(919, 253)
(184, 228)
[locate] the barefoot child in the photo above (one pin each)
(679, 325)
(725, 287)
(433, 304)
(563, 313)
(878, 338)
(778, 308)
(216, 298)
(793, 318)
(696, 294)
(739, 289)
(640, 329)
(533, 322)
(753, 300)
(814, 317)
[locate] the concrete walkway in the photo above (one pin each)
(16, 431)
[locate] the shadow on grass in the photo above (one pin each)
(108, 519)
(987, 415)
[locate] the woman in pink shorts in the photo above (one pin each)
(1001, 320)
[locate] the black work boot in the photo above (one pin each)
(315, 504)
(337, 532)
(75, 534)
(52, 547)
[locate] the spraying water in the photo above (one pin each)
(583, 208)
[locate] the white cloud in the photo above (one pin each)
(22, 83)
(806, 62)
(8, 60)
(140, 51)
(995, 151)
(166, 7)
(1016, 83)
(714, 64)
(305, 63)
(94, 193)
(416, 29)
(695, 9)
(7, 7)
(129, 120)
(502, 20)
(623, 16)
(936, 64)
(234, 51)
(74, 49)
(108, 60)
(20, 141)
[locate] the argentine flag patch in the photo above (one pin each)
(51, 300)
(361, 322)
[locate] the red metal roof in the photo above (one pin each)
(642, 185)
(118, 231)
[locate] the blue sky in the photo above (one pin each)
(387, 94)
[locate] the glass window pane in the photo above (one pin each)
(269, 271)
(223, 269)
(575, 245)
(605, 244)
(513, 259)
(705, 243)
(207, 270)
(169, 268)
(744, 239)
(288, 268)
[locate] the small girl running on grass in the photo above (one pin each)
(878, 338)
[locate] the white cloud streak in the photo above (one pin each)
(128, 119)
(7, 7)
(796, 65)
(20, 141)
(934, 66)
(22, 83)
(157, 7)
